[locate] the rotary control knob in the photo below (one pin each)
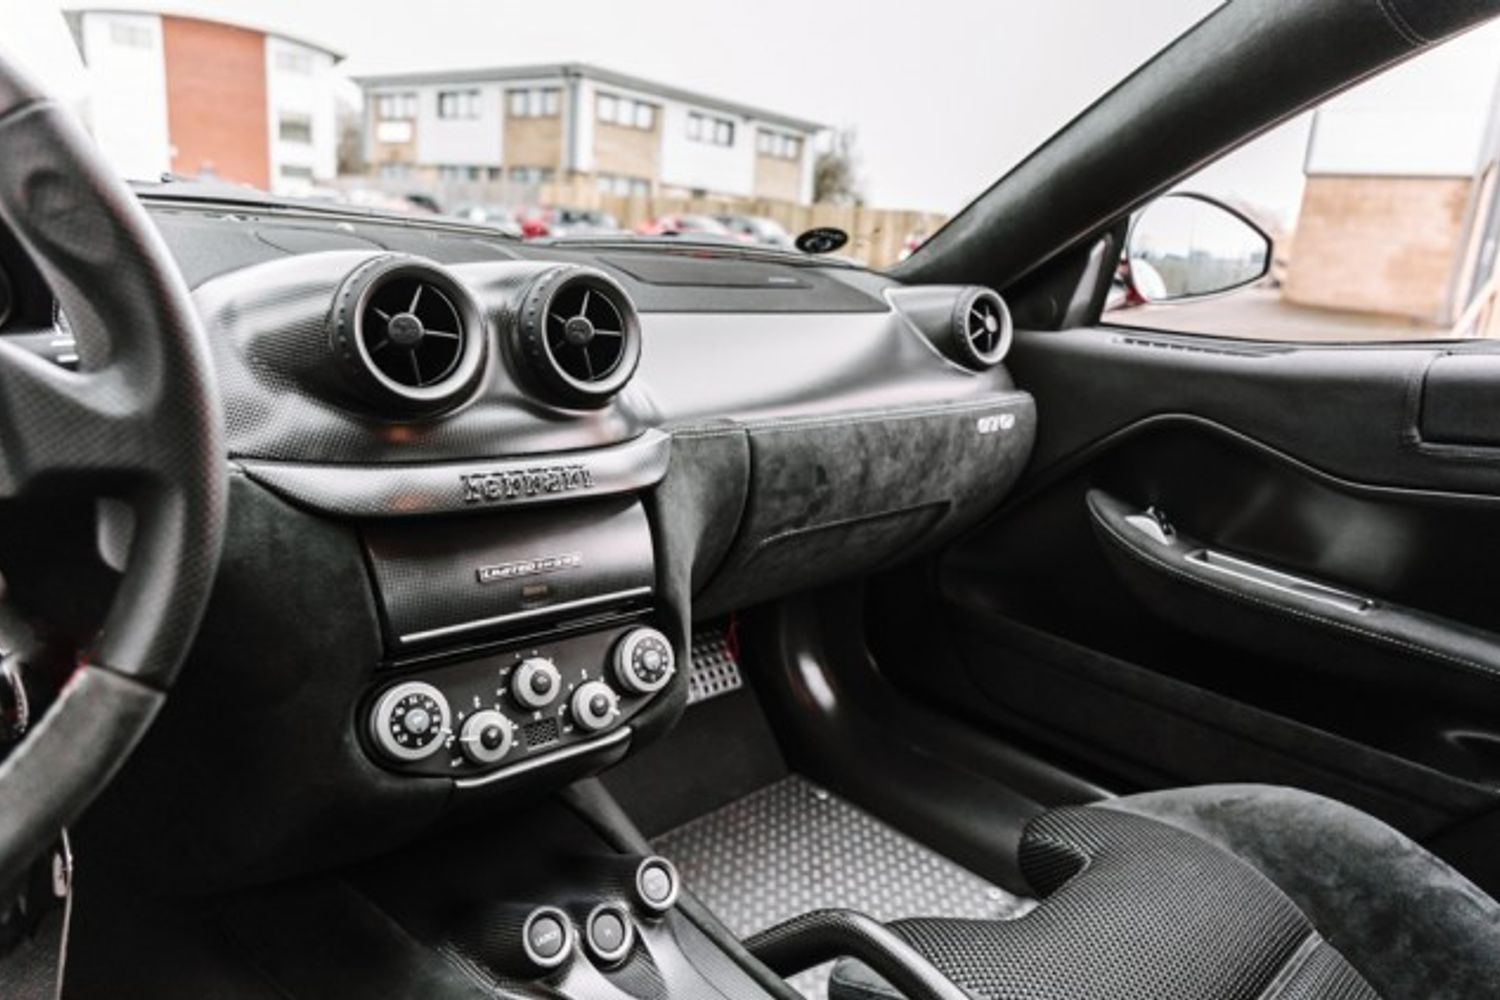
(644, 661)
(595, 705)
(410, 721)
(486, 737)
(536, 682)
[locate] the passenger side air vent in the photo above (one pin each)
(408, 336)
(969, 324)
(578, 336)
(981, 328)
(987, 327)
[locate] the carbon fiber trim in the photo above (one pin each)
(449, 487)
(793, 847)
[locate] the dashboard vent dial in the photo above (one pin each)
(579, 336)
(408, 335)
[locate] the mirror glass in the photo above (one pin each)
(1184, 246)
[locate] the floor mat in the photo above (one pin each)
(792, 847)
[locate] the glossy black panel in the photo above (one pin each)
(443, 580)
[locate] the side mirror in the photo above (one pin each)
(1187, 246)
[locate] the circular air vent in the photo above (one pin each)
(579, 336)
(408, 335)
(981, 328)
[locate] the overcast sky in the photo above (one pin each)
(945, 95)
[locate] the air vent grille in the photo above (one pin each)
(586, 333)
(412, 332)
(985, 326)
(408, 336)
(578, 335)
(981, 329)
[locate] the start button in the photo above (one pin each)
(547, 937)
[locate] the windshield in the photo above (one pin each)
(594, 117)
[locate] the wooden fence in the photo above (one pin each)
(876, 235)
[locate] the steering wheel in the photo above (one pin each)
(138, 421)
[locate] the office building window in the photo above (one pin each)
(623, 187)
(531, 175)
(460, 172)
(395, 171)
(293, 172)
(706, 128)
(395, 107)
(456, 104)
(295, 128)
(131, 36)
(627, 112)
(779, 145)
(294, 61)
(534, 102)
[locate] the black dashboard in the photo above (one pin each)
(481, 490)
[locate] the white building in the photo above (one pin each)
(168, 93)
(534, 124)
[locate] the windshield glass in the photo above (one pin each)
(732, 122)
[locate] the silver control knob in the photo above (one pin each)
(410, 721)
(595, 705)
(486, 737)
(536, 682)
(644, 661)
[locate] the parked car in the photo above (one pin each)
(583, 222)
(703, 226)
(502, 217)
(756, 229)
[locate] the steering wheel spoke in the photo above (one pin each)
(55, 424)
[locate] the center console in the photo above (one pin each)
(515, 639)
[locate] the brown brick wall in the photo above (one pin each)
(533, 142)
(216, 100)
(1378, 244)
(777, 177)
(627, 152)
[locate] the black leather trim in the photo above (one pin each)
(1467, 660)
(450, 487)
(824, 935)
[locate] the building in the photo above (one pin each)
(533, 125)
(202, 98)
(1398, 213)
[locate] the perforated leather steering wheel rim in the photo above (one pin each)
(139, 420)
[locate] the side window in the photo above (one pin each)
(1381, 212)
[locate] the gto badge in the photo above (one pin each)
(995, 423)
(493, 487)
(528, 567)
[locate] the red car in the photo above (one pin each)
(684, 225)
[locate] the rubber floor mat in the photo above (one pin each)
(792, 847)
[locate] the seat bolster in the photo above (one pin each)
(1414, 927)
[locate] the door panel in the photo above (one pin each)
(1322, 612)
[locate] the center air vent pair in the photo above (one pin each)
(411, 339)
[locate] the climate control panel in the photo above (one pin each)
(483, 715)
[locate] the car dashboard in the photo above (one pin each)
(482, 490)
